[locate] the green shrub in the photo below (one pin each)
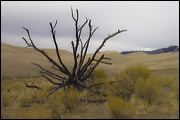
(148, 89)
(120, 108)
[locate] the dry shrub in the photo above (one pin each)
(25, 97)
(134, 72)
(128, 77)
(40, 96)
(55, 103)
(100, 74)
(120, 108)
(24, 100)
(69, 99)
(141, 107)
(148, 89)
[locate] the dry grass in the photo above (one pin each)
(53, 107)
(148, 89)
(120, 108)
(36, 113)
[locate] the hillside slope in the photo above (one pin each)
(17, 60)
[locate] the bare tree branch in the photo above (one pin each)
(32, 86)
(104, 62)
(55, 83)
(83, 67)
(42, 52)
(47, 71)
(56, 46)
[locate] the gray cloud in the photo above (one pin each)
(149, 24)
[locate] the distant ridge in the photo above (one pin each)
(156, 51)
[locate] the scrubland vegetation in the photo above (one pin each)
(133, 92)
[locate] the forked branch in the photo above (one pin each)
(82, 68)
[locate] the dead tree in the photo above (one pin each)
(82, 68)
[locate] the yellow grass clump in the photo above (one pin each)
(120, 108)
(128, 77)
(148, 89)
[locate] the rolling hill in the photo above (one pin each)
(17, 60)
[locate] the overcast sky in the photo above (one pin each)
(152, 24)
